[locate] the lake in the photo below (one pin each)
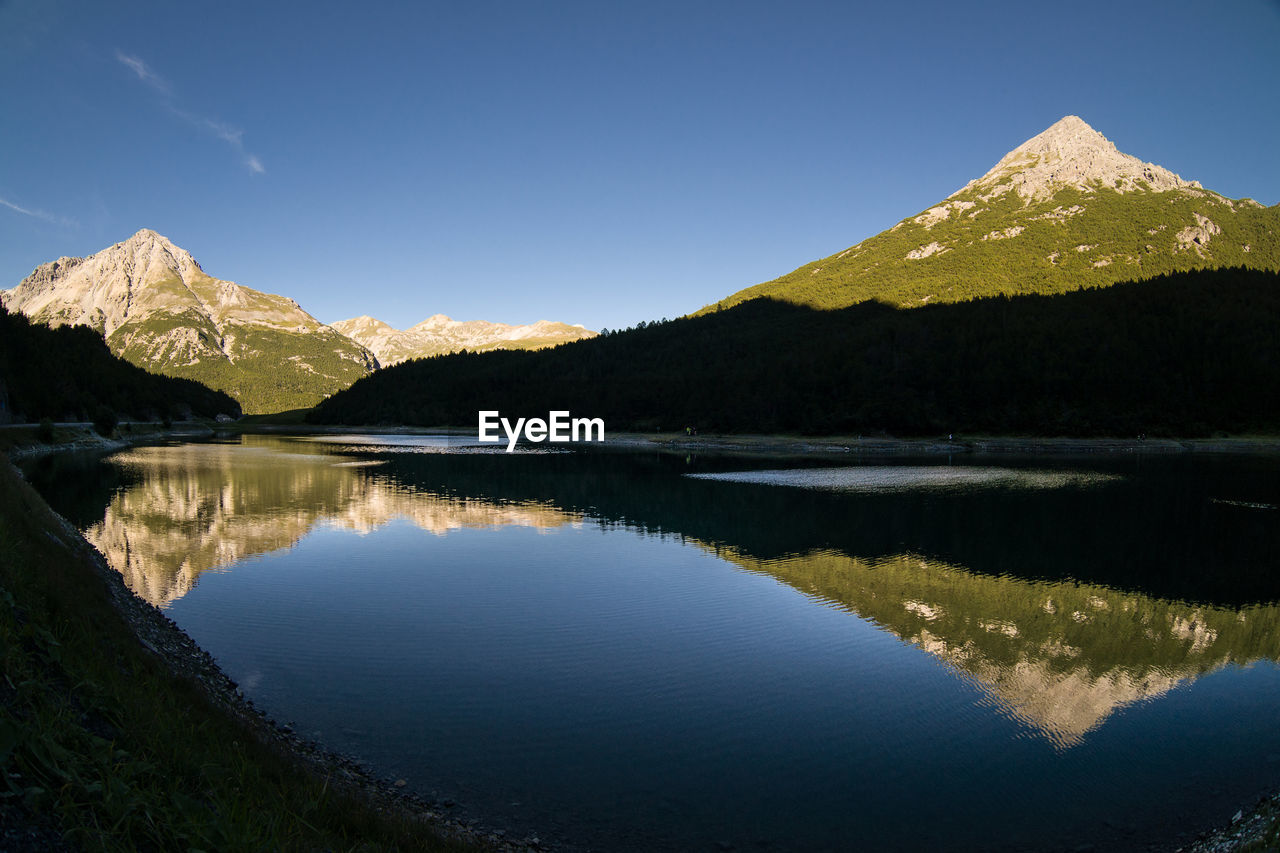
(636, 650)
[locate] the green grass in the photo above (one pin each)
(1042, 258)
(289, 417)
(25, 436)
(273, 370)
(104, 745)
(266, 369)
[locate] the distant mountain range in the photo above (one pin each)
(439, 334)
(1062, 211)
(157, 308)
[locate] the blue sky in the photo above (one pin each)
(600, 162)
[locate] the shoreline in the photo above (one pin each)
(164, 638)
(166, 642)
(834, 445)
(86, 440)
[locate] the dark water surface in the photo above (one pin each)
(593, 647)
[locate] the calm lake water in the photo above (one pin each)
(645, 651)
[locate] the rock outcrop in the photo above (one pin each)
(1070, 153)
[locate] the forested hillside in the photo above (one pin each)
(68, 373)
(1187, 353)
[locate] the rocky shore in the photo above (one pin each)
(1252, 829)
(161, 638)
(82, 438)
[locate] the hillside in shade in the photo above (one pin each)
(69, 374)
(1185, 354)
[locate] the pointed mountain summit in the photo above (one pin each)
(1072, 154)
(104, 290)
(1062, 211)
(157, 308)
(439, 334)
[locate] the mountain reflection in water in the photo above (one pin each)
(1059, 655)
(197, 508)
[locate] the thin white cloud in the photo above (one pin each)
(40, 214)
(225, 132)
(145, 74)
(233, 136)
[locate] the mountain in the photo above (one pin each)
(1062, 211)
(157, 308)
(440, 334)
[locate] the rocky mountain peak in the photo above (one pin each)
(106, 288)
(147, 248)
(1070, 153)
(145, 236)
(1070, 136)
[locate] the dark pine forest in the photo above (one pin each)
(68, 373)
(1188, 353)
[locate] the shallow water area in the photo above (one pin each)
(884, 478)
(391, 443)
(643, 650)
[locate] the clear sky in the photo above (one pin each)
(594, 162)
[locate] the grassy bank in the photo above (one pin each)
(117, 733)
